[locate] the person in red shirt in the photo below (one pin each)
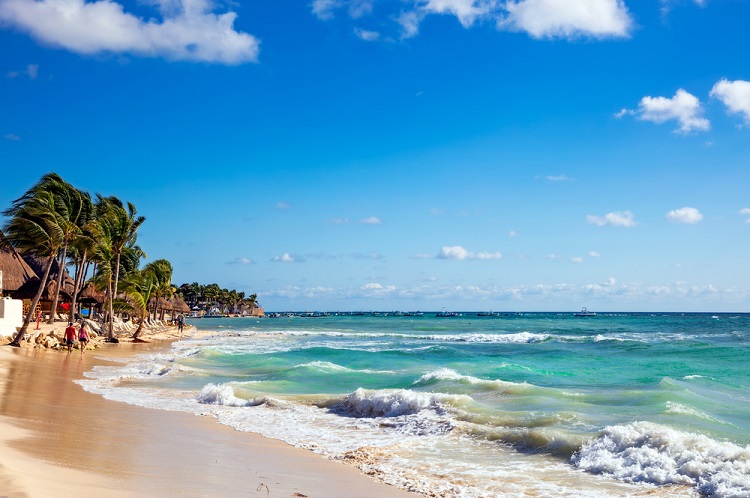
(70, 336)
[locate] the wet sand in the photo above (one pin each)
(58, 440)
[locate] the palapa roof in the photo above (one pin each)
(16, 271)
(179, 305)
(30, 288)
(89, 295)
(39, 264)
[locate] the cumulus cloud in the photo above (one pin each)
(594, 254)
(685, 215)
(241, 261)
(188, 29)
(287, 258)
(617, 219)
(372, 220)
(745, 212)
(684, 108)
(283, 206)
(569, 18)
(576, 260)
(556, 178)
(512, 234)
(735, 95)
(459, 252)
(537, 18)
(339, 221)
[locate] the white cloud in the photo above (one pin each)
(188, 29)
(594, 254)
(32, 71)
(372, 220)
(460, 253)
(616, 219)
(745, 212)
(684, 108)
(241, 261)
(323, 9)
(283, 206)
(512, 234)
(339, 221)
(685, 215)
(286, 258)
(467, 11)
(569, 18)
(735, 95)
(557, 178)
(538, 18)
(12, 137)
(576, 260)
(365, 35)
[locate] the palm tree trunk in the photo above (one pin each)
(112, 300)
(17, 339)
(80, 265)
(140, 325)
(60, 274)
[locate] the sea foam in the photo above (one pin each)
(647, 452)
(213, 394)
(389, 403)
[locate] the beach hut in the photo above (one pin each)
(28, 290)
(14, 271)
(91, 298)
(179, 305)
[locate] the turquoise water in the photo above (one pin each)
(546, 404)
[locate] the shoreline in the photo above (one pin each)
(58, 440)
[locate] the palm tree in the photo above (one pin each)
(33, 228)
(122, 225)
(142, 286)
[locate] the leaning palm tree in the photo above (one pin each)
(139, 288)
(122, 225)
(33, 228)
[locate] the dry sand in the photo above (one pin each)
(57, 440)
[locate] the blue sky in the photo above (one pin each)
(402, 154)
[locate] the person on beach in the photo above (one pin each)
(180, 322)
(83, 337)
(70, 336)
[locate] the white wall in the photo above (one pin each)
(11, 315)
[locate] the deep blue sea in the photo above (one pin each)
(520, 404)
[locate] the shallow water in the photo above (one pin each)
(524, 404)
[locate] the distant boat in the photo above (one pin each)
(446, 314)
(488, 313)
(584, 312)
(413, 313)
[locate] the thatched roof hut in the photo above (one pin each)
(30, 288)
(90, 296)
(39, 264)
(15, 270)
(179, 305)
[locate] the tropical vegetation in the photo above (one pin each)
(95, 239)
(212, 297)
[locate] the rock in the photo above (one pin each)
(39, 338)
(51, 342)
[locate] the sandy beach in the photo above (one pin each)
(58, 440)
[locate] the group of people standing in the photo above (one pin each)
(81, 334)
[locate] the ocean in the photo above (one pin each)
(517, 404)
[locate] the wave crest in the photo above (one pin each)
(388, 403)
(213, 394)
(646, 452)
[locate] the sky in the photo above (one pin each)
(520, 155)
